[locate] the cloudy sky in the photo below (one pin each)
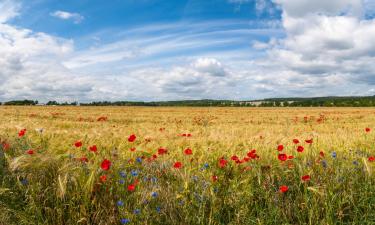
(148, 50)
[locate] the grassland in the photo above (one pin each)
(59, 183)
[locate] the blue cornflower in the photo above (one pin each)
(24, 181)
(121, 181)
(334, 155)
(125, 221)
(120, 203)
(355, 162)
(206, 165)
(158, 209)
(137, 211)
(139, 160)
(134, 173)
(123, 174)
(154, 194)
(324, 163)
(154, 179)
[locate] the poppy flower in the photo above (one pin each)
(21, 133)
(78, 144)
(103, 178)
(222, 163)
(283, 188)
(6, 146)
(282, 157)
(234, 158)
(83, 159)
(280, 147)
(305, 177)
(368, 129)
(214, 178)
(93, 148)
(321, 153)
(177, 165)
(133, 149)
(131, 187)
(295, 141)
(300, 149)
(309, 141)
(106, 164)
(30, 152)
(132, 138)
(162, 151)
(102, 119)
(252, 154)
(371, 158)
(290, 157)
(188, 151)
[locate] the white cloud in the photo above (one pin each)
(77, 18)
(8, 10)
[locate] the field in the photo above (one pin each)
(139, 165)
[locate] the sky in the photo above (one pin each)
(157, 50)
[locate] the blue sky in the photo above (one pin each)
(185, 49)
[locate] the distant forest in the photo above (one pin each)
(350, 101)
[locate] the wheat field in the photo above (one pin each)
(183, 165)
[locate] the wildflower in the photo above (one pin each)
(305, 177)
(30, 152)
(324, 164)
(132, 138)
(321, 153)
(252, 154)
(137, 211)
(124, 221)
(158, 209)
(24, 181)
(103, 178)
(177, 165)
(214, 178)
(300, 149)
(371, 158)
(334, 155)
(93, 148)
(132, 149)
(131, 187)
(154, 194)
(309, 141)
(121, 181)
(355, 163)
(290, 157)
(222, 163)
(22, 133)
(106, 164)
(280, 147)
(78, 144)
(139, 160)
(283, 188)
(295, 141)
(6, 146)
(122, 174)
(368, 129)
(83, 159)
(134, 173)
(282, 157)
(162, 151)
(188, 151)
(120, 203)
(206, 165)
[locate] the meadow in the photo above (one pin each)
(183, 165)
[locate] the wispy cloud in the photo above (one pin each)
(76, 17)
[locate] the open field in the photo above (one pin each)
(47, 177)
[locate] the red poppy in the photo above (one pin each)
(93, 148)
(132, 138)
(321, 153)
(177, 165)
(305, 177)
(295, 141)
(106, 164)
(300, 149)
(84, 159)
(6, 146)
(283, 188)
(162, 151)
(282, 157)
(103, 178)
(21, 133)
(102, 119)
(78, 144)
(234, 158)
(280, 147)
(30, 151)
(188, 151)
(371, 158)
(222, 163)
(309, 141)
(252, 154)
(368, 129)
(133, 149)
(214, 178)
(290, 157)
(131, 187)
